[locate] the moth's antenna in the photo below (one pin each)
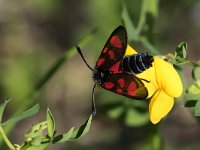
(94, 112)
(79, 51)
(93, 90)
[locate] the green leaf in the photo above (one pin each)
(191, 103)
(198, 62)
(115, 112)
(28, 146)
(74, 134)
(136, 113)
(179, 61)
(68, 54)
(198, 83)
(181, 50)
(63, 137)
(128, 23)
(194, 89)
(180, 54)
(131, 113)
(197, 109)
(30, 112)
(135, 118)
(153, 8)
(2, 107)
(190, 96)
(196, 73)
(81, 131)
(50, 123)
(35, 131)
(35, 138)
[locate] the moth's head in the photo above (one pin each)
(148, 60)
(100, 75)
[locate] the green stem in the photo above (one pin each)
(9, 144)
(156, 141)
(30, 96)
(53, 69)
(70, 53)
(193, 64)
(148, 45)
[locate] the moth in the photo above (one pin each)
(116, 72)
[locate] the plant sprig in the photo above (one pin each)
(36, 138)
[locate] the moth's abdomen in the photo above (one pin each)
(137, 63)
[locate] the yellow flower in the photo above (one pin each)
(165, 85)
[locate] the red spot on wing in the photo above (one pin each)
(121, 82)
(132, 89)
(119, 91)
(105, 50)
(111, 54)
(108, 85)
(116, 42)
(100, 61)
(115, 68)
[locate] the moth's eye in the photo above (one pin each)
(102, 74)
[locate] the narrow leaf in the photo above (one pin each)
(190, 96)
(153, 8)
(142, 18)
(35, 131)
(196, 73)
(50, 123)
(2, 107)
(79, 132)
(179, 61)
(28, 146)
(115, 112)
(198, 83)
(148, 45)
(128, 23)
(35, 138)
(198, 62)
(139, 118)
(74, 134)
(68, 54)
(197, 109)
(30, 112)
(181, 50)
(190, 103)
(63, 137)
(194, 89)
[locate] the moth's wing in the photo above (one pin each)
(127, 85)
(114, 49)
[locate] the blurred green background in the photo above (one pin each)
(34, 34)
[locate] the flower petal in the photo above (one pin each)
(160, 105)
(148, 75)
(167, 78)
(130, 51)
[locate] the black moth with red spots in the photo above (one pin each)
(112, 70)
(116, 72)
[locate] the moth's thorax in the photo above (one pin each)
(137, 63)
(100, 75)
